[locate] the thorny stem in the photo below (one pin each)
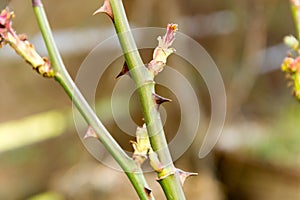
(295, 6)
(133, 172)
(291, 64)
(168, 178)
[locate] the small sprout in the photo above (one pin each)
(22, 46)
(105, 8)
(291, 42)
(5, 20)
(124, 70)
(163, 50)
(142, 149)
(288, 65)
(169, 37)
(292, 68)
(183, 175)
(141, 146)
(5, 24)
(159, 99)
(90, 133)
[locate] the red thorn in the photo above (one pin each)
(124, 70)
(183, 175)
(148, 191)
(105, 8)
(90, 133)
(159, 99)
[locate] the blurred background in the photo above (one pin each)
(257, 156)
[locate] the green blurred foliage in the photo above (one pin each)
(281, 144)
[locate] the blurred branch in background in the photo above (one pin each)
(16, 134)
(32, 129)
(250, 65)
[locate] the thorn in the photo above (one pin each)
(159, 99)
(105, 8)
(90, 133)
(22, 37)
(124, 70)
(148, 191)
(184, 175)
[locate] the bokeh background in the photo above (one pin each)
(258, 154)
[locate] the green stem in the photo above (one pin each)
(168, 178)
(296, 15)
(295, 7)
(133, 172)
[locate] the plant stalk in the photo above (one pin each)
(168, 178)
(133, 172)
(295, 7)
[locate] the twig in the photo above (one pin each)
(295, 6)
